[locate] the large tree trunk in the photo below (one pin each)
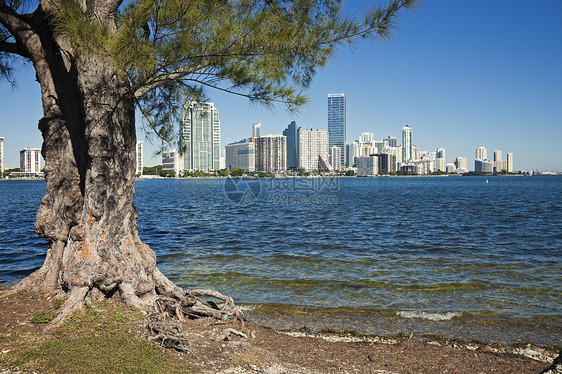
(87, 214)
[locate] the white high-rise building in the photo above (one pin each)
(256, 130)
(440, 153)
(271, 153)
(367, 166)
(440, 160)
(497, 155)
(30, 160)
(139, 158)
(509, 162)
(461, 163)
(312, 148)
(335, 158)
(407, 143)
(200, 136)
(481, 153)
(172, 160)
(241, 154)
(1, 155)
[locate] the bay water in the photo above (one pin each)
(472, 258)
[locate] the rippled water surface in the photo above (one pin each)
(439, 248)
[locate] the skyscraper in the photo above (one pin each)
(30, 160)
(256, 130)
(312, 148)
(481, 153)
(509, 162)
(200, 136)
(497, 155)
(172, 160)
(241, 154)
(271, 153)
(292, 145)
(335, 158)
(406, 143)
(391, 141)
(336, 122)
(1, 155)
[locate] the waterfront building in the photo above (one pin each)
(313, 152)
(256, 130)
(509, 162)
(450, 168)
(386, 162)
(497, 155)
(271, 153)
(336, 122)
(440, 164)
(461, 163)
(200, 136)
(406, 143)
(1, 155)
(481, 153)
(30, 160)
(351, 152)
(335, 158)
(483, 166)
(440, 153)
(367, 166)
(292, 145)
(172, 160)
(222, 163)
(139, 164)
(241, 154)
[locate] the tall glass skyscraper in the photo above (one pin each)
(407, 154)
(292, 145)
(336, 122)
(200, 136)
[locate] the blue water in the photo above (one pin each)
(435, 248)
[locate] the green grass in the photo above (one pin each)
(102, 339)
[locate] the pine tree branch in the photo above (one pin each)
(13, 48)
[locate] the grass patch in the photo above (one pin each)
(42, 317)
(105, 338)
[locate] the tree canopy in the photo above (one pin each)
(176, 50)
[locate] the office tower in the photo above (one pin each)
(415, 155)
(497, 155)
(139, 158)
(386, 162)
(335, 158)
(1, 155)
(292, 146)
(256, 130)
(509, 162)
(406, 143)
(440, 153)
(241, 154)
(172, 160)
(351, 151)
(336, 122)
(461, 163)
(200, 136)
(30, 160)
(271, 153)
(367, 138)
(367, 166)
(312, 149)
(481, 153)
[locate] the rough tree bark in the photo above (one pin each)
(87, 214)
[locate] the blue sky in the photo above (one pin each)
(462, 73)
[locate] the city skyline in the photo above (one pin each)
(497, 85)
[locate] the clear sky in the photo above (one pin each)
(462, 73)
